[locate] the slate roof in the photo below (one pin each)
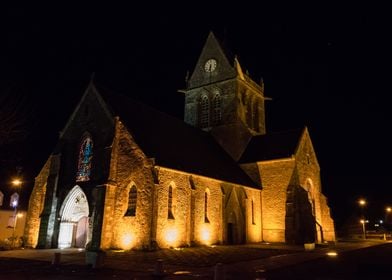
(173, 143)
(271, 146)
(225, 48)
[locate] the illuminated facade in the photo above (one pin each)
(126, 176)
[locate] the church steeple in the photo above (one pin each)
(221, 98)
(214, 64)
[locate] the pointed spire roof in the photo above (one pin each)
(212, 49)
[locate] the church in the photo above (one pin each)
(125, 176)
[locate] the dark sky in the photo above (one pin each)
(326, 67)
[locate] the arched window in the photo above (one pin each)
(256, 121)
(132, 199)
(84, 162)
(206, 197)
(249, 117)
(253, 212)
(170, 203)
(216, 106)
(204, 111)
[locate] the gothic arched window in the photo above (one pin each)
(249, 117)
(253, 212)
(256, 117)
(170, 203)
(132, 199)
(204, 111)
(206, 197)
(216, 106)
(85, 157)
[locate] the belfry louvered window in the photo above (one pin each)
(217, 112)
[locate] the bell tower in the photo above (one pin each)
(222, 99)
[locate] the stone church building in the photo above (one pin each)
(126, 176)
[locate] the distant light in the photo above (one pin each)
(332, 254)
(376, 225)
(16, 182)
(362, 221)
(80, 249)
(20, 215)
(14, 203)
(362, 202)
(381, 221)
(388, 209)
(181, 272)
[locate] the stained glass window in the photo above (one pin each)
(84, 163)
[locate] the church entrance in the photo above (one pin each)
(74, 220)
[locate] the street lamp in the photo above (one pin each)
(388, 211)
(362, 221)
(14, 203)
(362, 203)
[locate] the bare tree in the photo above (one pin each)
(14, 115)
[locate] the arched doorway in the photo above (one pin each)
(74, 220)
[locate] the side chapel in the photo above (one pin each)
(124, 175)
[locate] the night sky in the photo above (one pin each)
(326, 67)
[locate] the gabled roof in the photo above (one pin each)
(173, 143)
(272, 146)
(224, 47)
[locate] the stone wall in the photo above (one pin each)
(36, 205)
(132, 168)
(308, 171)
(254, 216)
(276, 176)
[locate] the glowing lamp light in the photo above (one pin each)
(206, 234)
(16, 182)
(362, 202)
(332, 254)
(171, 236)
(388, 209)
(127, 241)
(14, 203)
